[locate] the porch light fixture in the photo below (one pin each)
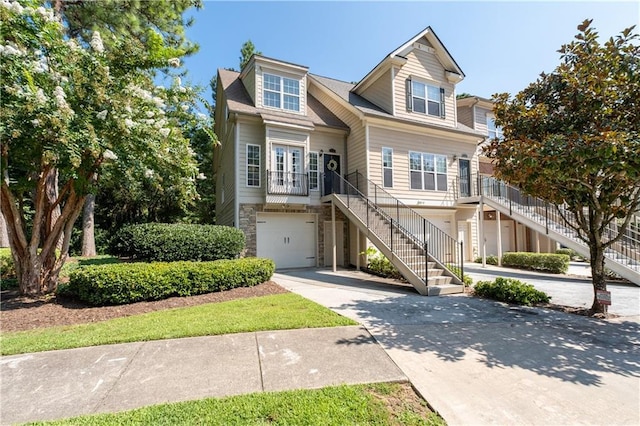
(320, 153)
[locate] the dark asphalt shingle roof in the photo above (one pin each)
(238, 100)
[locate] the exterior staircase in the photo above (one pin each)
(623, 257)
(426, 256)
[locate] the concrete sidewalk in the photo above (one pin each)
(111, 378)
(481, 362)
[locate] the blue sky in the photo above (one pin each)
(500, 46)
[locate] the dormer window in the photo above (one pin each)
(493, 130)
(425, 98)
(281, 92)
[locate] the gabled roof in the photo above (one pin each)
(345, 91)
(398, 56)
(238, 100)
(475, 100)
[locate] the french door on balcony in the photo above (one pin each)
(287, 167)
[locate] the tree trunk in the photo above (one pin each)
(88, 227)
(598, 277)
(51, 190)
(4, 233)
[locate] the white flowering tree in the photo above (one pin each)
(67, 110)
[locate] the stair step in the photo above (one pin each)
(439, 280)
(439, 290)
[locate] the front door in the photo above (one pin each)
(465, 177)
(331, 168)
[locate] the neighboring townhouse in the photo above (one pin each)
(284, 130)
(477, 112)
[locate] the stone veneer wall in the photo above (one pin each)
(248, 214)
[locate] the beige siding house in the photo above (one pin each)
(477, 112)
(283, 130)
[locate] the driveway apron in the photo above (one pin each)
(482, 362)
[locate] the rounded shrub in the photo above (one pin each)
(164, 242)
(511, 291)
(121, 283)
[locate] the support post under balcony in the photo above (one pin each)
(333, 236)
(499, 226)
(483, 240)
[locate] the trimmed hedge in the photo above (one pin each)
(123, 283)
(169, 242)
(547, 262)
(7, 268)
(569, 252)
(490, 260)
(511, 291)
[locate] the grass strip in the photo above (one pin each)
(375, 404)
(274, 312)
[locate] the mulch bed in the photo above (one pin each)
(22, 313)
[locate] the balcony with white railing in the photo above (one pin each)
(287, 188)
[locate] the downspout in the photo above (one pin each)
(366, 150)
(236, 185)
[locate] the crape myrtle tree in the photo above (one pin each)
(125, 197)
(572, 139)
(67, 110)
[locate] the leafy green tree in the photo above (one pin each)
(131, 18)
(246, 52)
(68, 109)
(572, 139)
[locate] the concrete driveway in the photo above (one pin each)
(482, 362)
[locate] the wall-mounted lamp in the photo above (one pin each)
(455, 157)
(320, 153)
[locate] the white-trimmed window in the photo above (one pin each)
(387, 167)
(314, 172)
(253, 165)
(280, 92)
(425, 98)
(428, 171)
(492, 130)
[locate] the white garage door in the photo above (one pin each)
(442, 222)
(288, 239)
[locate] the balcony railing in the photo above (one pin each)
(285, 183)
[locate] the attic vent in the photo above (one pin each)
(423, 47)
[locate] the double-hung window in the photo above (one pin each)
(428, 171)
(387, 167)
(281, 92)
(314, 172)
(492, 130)
(253, 165)
(425, 98)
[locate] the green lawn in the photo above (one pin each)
(275, 312)
(342, 405)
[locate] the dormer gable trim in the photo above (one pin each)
(455, 74)
(379, 70)
(471, 101)
(273, 63)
